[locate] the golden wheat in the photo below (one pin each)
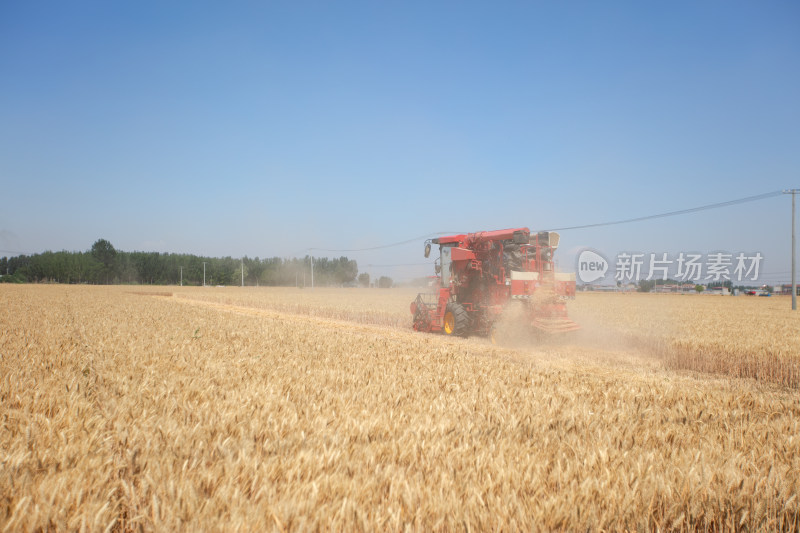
(740, 336)
(744, 337)
(124, 411)
(369, 306)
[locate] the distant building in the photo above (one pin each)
(680, 288)
(787, 289)
(724, 291)
(603, 288)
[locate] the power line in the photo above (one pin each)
(674, 213)
(566, 228)
(400, 243)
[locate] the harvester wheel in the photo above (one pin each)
(456, 320)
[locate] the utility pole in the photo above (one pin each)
(204, 273)
(793, 192)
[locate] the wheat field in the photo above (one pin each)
(128, 409)
(740, 336)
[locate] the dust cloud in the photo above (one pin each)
(595, 343)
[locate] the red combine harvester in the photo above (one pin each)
(481, 273)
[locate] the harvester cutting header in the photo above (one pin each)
(479, 274)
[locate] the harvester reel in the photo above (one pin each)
(421, 320)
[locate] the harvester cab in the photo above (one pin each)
(480, 274)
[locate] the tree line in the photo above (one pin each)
(103, 264)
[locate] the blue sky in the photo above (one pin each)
(267, 128)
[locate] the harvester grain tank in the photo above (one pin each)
(480, 274)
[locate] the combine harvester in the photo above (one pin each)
(480, 274)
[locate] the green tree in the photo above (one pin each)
(253, 268)
(363, 279)
(345, 270)
(385, 282)
(646, 285)
(106, 255)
